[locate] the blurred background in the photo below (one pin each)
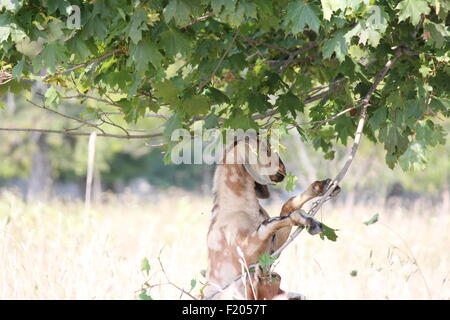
(51, 247)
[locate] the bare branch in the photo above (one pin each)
(148, 115)
(73, 133)
(84, 64)
(199, 19)
(305, 101)
(78, 96)
(173, 284)
(295, 53)
(85, 123)
(320, 88)
(268, 45)
(115, 125)
(5, 77)
(337, 115)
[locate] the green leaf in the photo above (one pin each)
(211, 121)
(172, 124)
(378, 117)
(430, 134)
(54, 5)
(52, 97)
(291, 182)
(8, 27)
(179, 10)
(80, 48)
(372, 220)
(137, 25)
(440, 104)
(145, 266)
(196, 105)
(5, 28)
(435, 33)
(143, 53)
(299, 15)
(289, 102)
(330, 6)
(128, 109)
(257, 102)
(335, 45)
(412, 9)
(176, 42)
(144, 296)
(354, 273)
(345, 128)
(119, 79)
(249, 9)
(96, 28)
(414, 159)
(217, 96)
(266, 260)
(328, 233)
(193, 284)
(51, 56)
(18, 69)
(371, 28)
(168, 92)
(329, 155)
(55, 30)
(240, 121)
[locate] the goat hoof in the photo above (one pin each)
(320, 187)
(295, 296)
(315, 227)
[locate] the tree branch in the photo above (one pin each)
(89, 124)
(173, 284)
(199, 19)
(265, 44)
(84, 64)
(337, 115)
(72, 133)
(5, 77)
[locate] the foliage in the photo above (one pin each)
(372, 220)
(266, 261)
(226, 59)
(328, 233)
(144, 296)
(145, 266)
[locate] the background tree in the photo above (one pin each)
(312, 66)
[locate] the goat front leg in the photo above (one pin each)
(259, 241)
(316, 189)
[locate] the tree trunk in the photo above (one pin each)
(40, 179)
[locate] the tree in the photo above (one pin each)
(311, 65)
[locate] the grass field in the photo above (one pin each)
(58, 251)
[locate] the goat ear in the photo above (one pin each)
(262, 191)
(253, 171)
(248, 154)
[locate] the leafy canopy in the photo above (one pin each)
(243, 64)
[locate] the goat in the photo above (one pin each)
(241, 231)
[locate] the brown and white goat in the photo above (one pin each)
(241, 231)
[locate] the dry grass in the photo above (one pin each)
(56, 251)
